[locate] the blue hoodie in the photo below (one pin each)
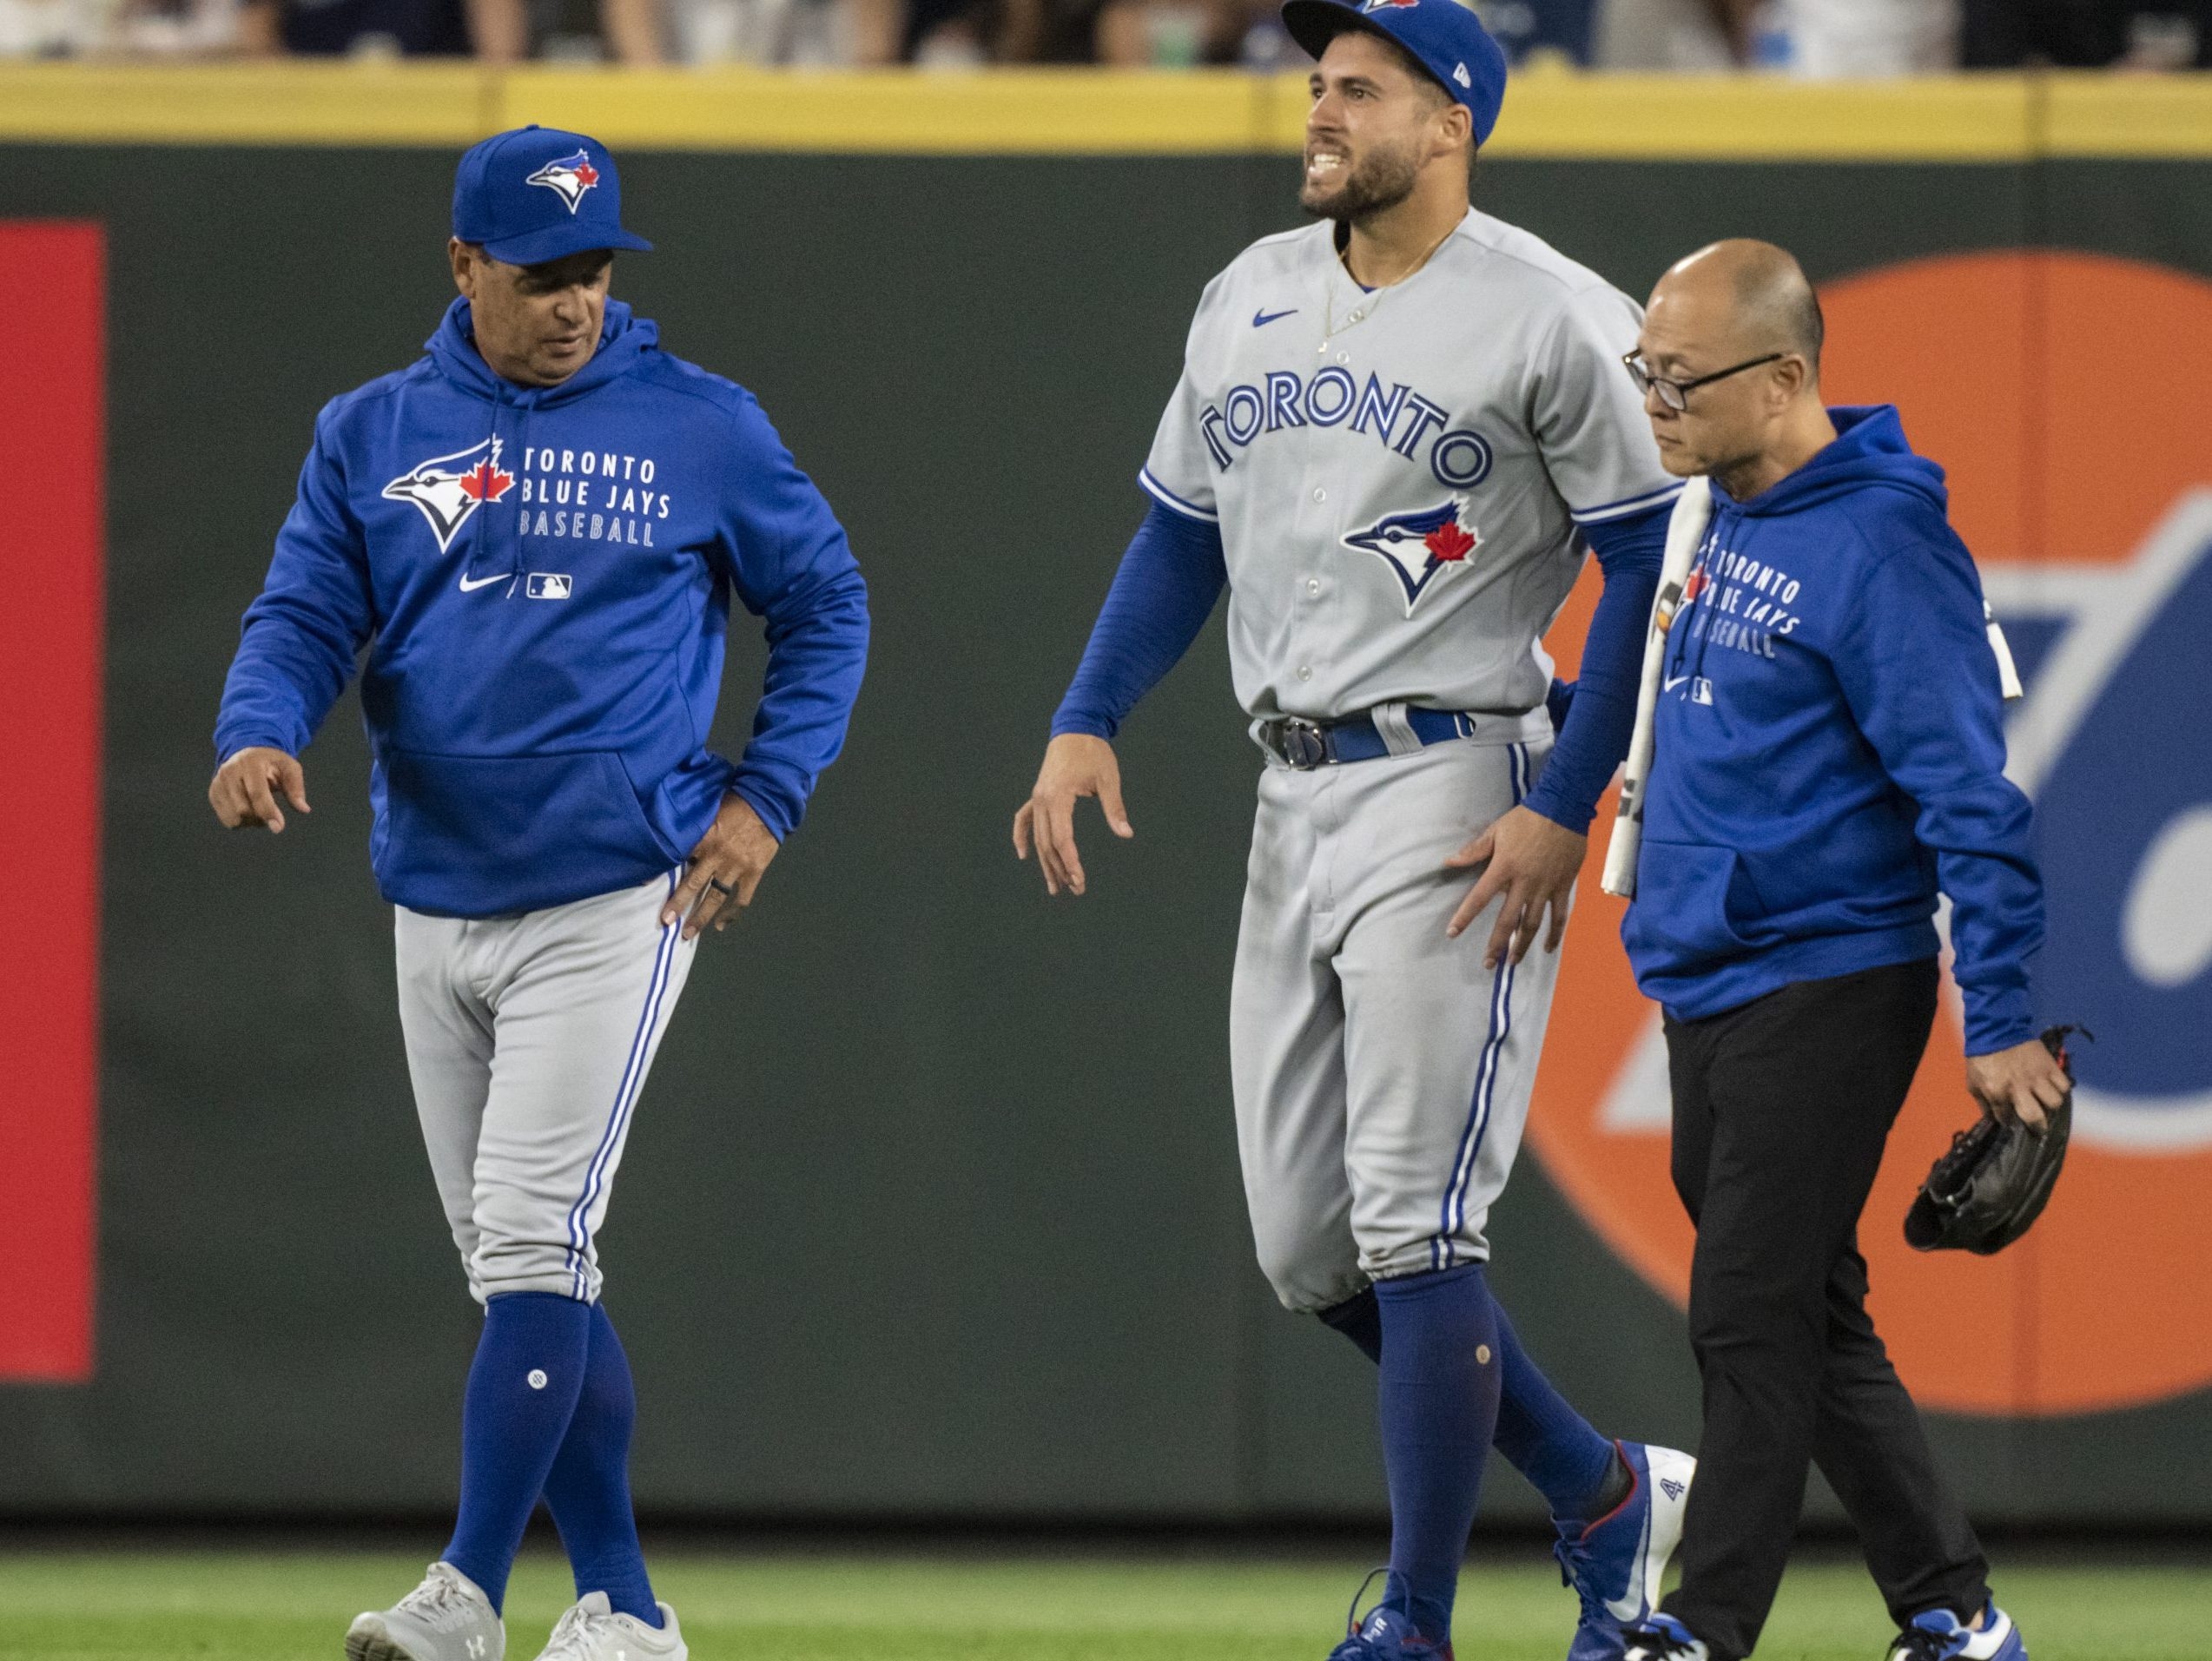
(1829, 751)
(542, 579)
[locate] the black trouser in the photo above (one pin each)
(1782, 1108)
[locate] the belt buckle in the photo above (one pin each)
(1303, 745)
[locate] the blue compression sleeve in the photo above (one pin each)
(1595, 737)
(1161, 596)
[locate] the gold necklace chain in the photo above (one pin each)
(1366, 304)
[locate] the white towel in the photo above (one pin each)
(1685, 530)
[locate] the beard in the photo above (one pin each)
(1378, 180)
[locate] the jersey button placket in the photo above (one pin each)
(1322, 523)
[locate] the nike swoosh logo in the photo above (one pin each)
(1261, 319)
(471, 586)
(1669, 687)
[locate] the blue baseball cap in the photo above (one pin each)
(1443, 36)
(537, 193)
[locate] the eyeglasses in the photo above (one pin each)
(1675, 394)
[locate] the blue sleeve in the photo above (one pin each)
(1161, 596)
(1601, 710)
(1915, 666)
(789, 565)
(316, 611)
(1558, 702)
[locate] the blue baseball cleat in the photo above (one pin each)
(1661, 1637)
(1615, 1563)
(1388, 1636)
(1937, 1636)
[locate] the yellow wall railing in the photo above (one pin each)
(1062, 112)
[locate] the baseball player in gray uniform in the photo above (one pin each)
(537, 533)
(1397, 434)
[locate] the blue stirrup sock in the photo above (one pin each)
(1539, 1432)
(522, 1393)
(1438, 1408)
(588, 1489)
(1544, 1439)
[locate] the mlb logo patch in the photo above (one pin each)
(567, 178)
(546, 585)
(1701, 690)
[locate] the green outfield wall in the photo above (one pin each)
(931, 1207)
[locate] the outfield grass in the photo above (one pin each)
(154, 1606)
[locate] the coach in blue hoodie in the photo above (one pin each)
(537, 533)
(1828, 757)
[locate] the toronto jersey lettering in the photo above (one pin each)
(1398, 475)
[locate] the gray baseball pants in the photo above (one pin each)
(529, 1038)
(1382, 1074)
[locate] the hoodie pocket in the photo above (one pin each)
(487, 814)
(1692, 903)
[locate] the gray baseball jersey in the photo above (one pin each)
(1398, 475)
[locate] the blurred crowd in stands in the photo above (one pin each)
(1808, 37)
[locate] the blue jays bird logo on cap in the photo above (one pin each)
(568, 177)
(449, 491)
(1445, 38)
(1416, 546)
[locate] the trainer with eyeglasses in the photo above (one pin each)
(1823, 725)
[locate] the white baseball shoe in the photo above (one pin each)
(592, 1632)
(447, 1618)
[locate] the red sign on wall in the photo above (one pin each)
(53, 432)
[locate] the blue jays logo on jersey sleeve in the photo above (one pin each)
(569, 177)
(1417, 545)
(449, 490)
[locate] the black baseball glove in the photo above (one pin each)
(1981, 1195)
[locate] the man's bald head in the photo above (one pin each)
(1729, 361)
(1761, 290)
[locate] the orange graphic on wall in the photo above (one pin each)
(2069, 399)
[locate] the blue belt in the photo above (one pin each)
(1307, 745)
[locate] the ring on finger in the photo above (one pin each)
(721, 887)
